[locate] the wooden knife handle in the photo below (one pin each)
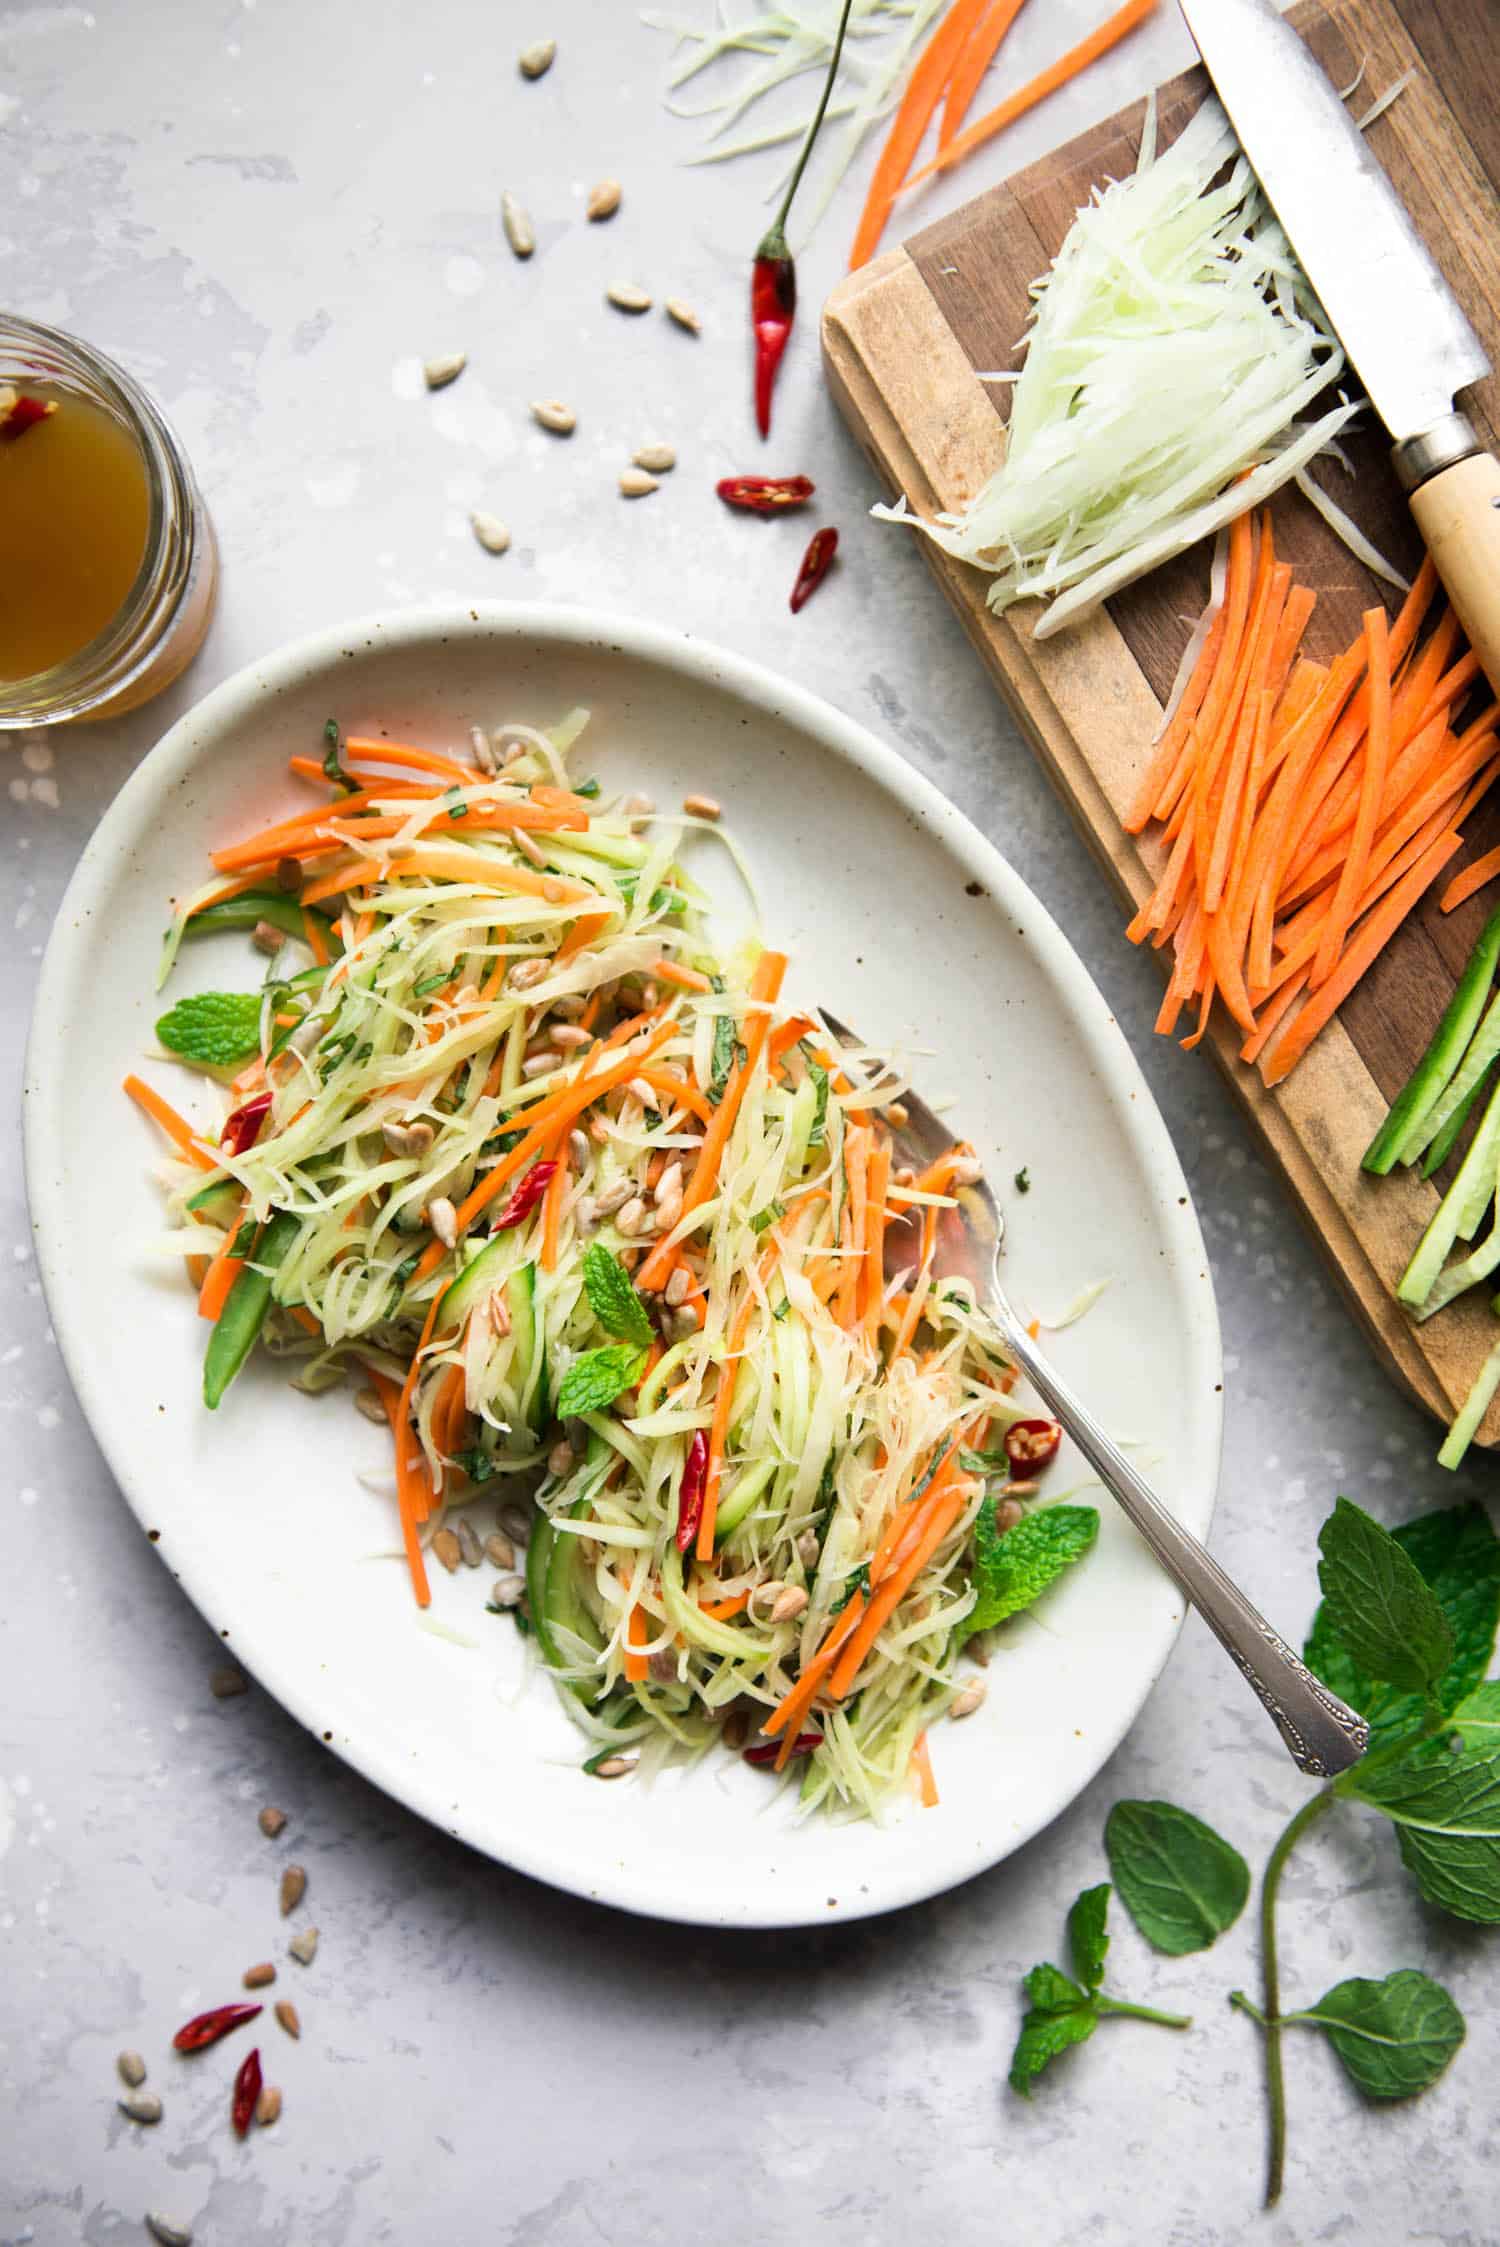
(1458, 514)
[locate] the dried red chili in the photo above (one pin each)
(23, 413)
(815, 565)
(1031, 1445)
(769, 1750)
(773, 277)
(690, 1491)
(765, 495)
(247, 2088)
(242, 1125)
(207, 2028)
(526, 1196)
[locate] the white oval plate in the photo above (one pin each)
(901, 918)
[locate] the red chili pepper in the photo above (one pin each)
(526, 1196)
(242, 1127)
(765, 495)
(769, 1750)
(246, 2092)
(690, 1491)
(1031, 1445)
(815, 565)
(773, 277)
(23, 414)
(207, 2028)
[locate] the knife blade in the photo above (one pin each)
(1400, 324)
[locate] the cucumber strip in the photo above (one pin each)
(218, 1204)
(1442, 1147)
(244, 1314)
(1450, 1041)
(1482, 1049)
(688, 1617)
(1476, 1177)
(734, 1508)
(254, 905)
(1471, 1412)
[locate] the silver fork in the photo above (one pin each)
(1321, 1734)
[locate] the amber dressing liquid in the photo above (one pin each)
(74, 512)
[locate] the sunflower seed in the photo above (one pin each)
(615, 1766)
(578, 1148)
(166, 2233)
(446, 1548)
(528, 848)
(268, 2106)
(490, 532)
(141, 2106)
(614, 1197)
(271, 1820)
(789, 1605)
(638, 807)
(438, 373)
(515, 1522)
(367, 1402)
(131, 2069)
(808, 1549)
(535, 61)
(304, 1947)
(971, 1698)
(626, 297)
(479, 743)
(677, 1286)
(289, 875)
(226, 1684)
(528, 971)
(658, 458)
(702, 807)
(499, 1551)
(560, 1460)
(293, 1888)
(554, 415)
(683, 315)
(267, 938)
(468, 1543)
(688, 1320)
(542, 1064)
(669, 1187)
(631, 1217)
(443, 1218)
(259, 1977)
(604, 200)
(287, 2014)
(507, 1591)
(636, 484)
(519, 231)
(735, 1730)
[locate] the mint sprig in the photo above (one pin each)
(1013, 1567)
(597, 1378)
(214, 1029)
(1182, 1883)
(1061, 2012)
(612, 1297)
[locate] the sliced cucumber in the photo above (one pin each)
(1474, 1185)
(254, 905)
(1472, 1411)
(1480, 1052)
(219, 1203)
(1447, 1138)
(484, 1272)
(733, 1509)
(1435, 1071)
(529, 1336)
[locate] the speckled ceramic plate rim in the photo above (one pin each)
(172, 760)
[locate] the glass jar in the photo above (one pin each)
(159, 625)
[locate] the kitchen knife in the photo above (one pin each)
(1396, 317)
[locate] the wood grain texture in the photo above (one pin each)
(903, 341)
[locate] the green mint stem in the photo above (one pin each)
(778, 227)
(1242, 2004)
(1144, 2013)
(1291, 1834)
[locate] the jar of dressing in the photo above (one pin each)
(108, 565)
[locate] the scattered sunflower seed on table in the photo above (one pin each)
(636, 484)
(626, 297)
(438, 373)
(658, 458)
(304, 1947)
(226, 1684)
(554, 415)
(604, 199)
(490, 532)
(683, 316)
(166, 2233)
(132, 2069)
(536, 60)
(287, 2014)
(293, 1888)
(271, 1821)
(519, 231)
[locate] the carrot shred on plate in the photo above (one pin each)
(921, 1766)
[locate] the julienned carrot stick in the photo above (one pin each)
(884, 1602)
(1368, 942)
(856, 1170)
(393, 1400)
(177, 1128)
(765, 984)
(723, 1609)
(1377, 754)
(878, 1185)
(400, 753)
(1109, 34)
(923, 93)
(1175, 733)
(921, 1764)
(224, 1269)
(637, 1666)
(685, 978)
(552, 1201)
(734, 1343)
(1471, 879)
(451, 863)
(979, 51)
(788, 1713)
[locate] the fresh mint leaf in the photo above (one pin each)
(1476, 1719)
(612, 1297)
(215, 1029)
(1395, 2037)
(1012, 1568)
(478, 1464)
(1458, 1554)
(597, 1378)
(1385, 1616)
(1050, 1990)
(1445, 1805)
(1088, 1935)
(1181, 1882)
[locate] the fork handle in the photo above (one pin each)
(1321, 1734)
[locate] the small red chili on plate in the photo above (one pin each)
(242, 1126)
(247, 2088)
(769, 1750)
(207, 2028)
(526, 1196)
(816, 563)
(1031, 1445)
(765, 495)
(690, 1491)
(23, 413)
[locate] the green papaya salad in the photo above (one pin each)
(616, 1243)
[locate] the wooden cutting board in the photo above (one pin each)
(903, 339)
